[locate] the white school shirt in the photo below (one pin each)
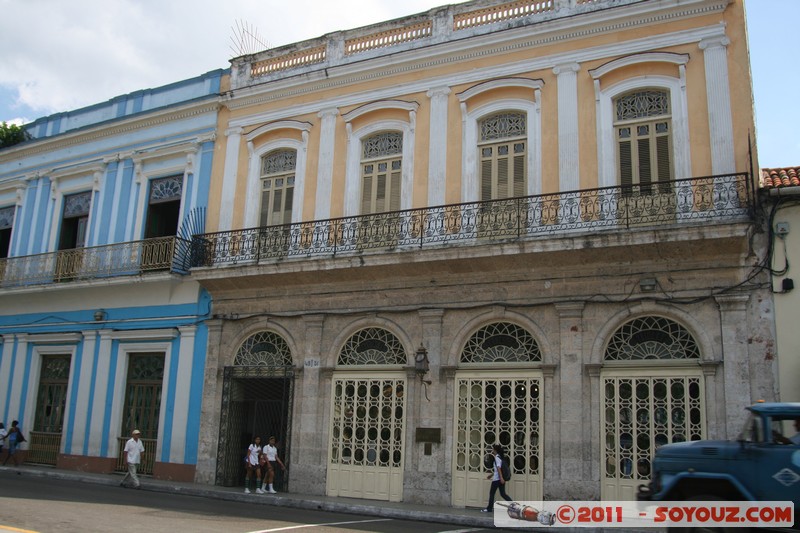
(253, 453)
(272, 452)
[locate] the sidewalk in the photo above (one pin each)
(399, 510)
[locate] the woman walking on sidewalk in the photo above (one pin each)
(272, 460)
(15, 438)
(252, 462)
(498, 454)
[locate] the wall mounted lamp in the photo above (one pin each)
(421, 367)
(100, 315)
(647, 284)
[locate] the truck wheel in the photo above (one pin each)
(705, 498)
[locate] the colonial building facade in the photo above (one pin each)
(528, 223)
(780, 188)
(102, 331)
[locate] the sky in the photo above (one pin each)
(62, 55)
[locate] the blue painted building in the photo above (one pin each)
(101, 330)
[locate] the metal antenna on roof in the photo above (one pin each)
(246, 40)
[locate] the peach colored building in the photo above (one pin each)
(527, 223)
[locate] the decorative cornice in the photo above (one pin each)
(380, 104)
(277, 125)
(635, 59)
(477, 75)
(89, 168)
(533, 84)
(78, 137)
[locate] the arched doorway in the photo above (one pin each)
(652, 394)
(257, 395)
(499, 399)
(368, 418)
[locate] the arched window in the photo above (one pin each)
(501, 342)
(651, 337)
(372, 346)
(277, 186)
(381, 172)
(502, 155)
(264, 348)
(643, 129)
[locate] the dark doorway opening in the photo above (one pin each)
(253, 405)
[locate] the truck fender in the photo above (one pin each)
(669, 487)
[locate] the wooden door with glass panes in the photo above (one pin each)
(652, 392)
(641, 413)
(51, 402)
(643, 128)
(497, 408)
(381, 180)
(502, 156)
(367, 433)
(142, 408)
(277, 198)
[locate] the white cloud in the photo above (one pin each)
(59, 56)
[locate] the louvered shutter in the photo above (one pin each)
(486, 175)
(663, 159)
(644, 163)
(625, 163)
(288, 204)
(519, 170)
(366, 193)
(394, 190)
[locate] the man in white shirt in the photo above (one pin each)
(132, 457)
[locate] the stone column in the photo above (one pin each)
(573, 429)
(437, 149)
(210, 410)
(720, 121)
(327, 136)
(184, 359)
(83, 381)
(229, 178)
(735, 360)
(309, 447)
(568, 147)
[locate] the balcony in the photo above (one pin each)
(680, 203)
(439, 25)
(96, 262)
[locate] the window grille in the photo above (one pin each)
(143, 394)
(381, 174)
(264, 349)
(372, 346)
(642, 104)
(651, 337)
(644, 142)
(503, 165)
(277, 186)
(52, 394)
(7, 217)
(503, 126)
(76, 205)
(166, 189)
(501, 342)
(278, 162)
(382, 144)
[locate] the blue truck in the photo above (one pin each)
(762, 464)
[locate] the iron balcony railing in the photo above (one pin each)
(110, 260)
(713, 198)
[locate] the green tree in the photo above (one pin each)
(11, 134)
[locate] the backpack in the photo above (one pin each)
(505, 469)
